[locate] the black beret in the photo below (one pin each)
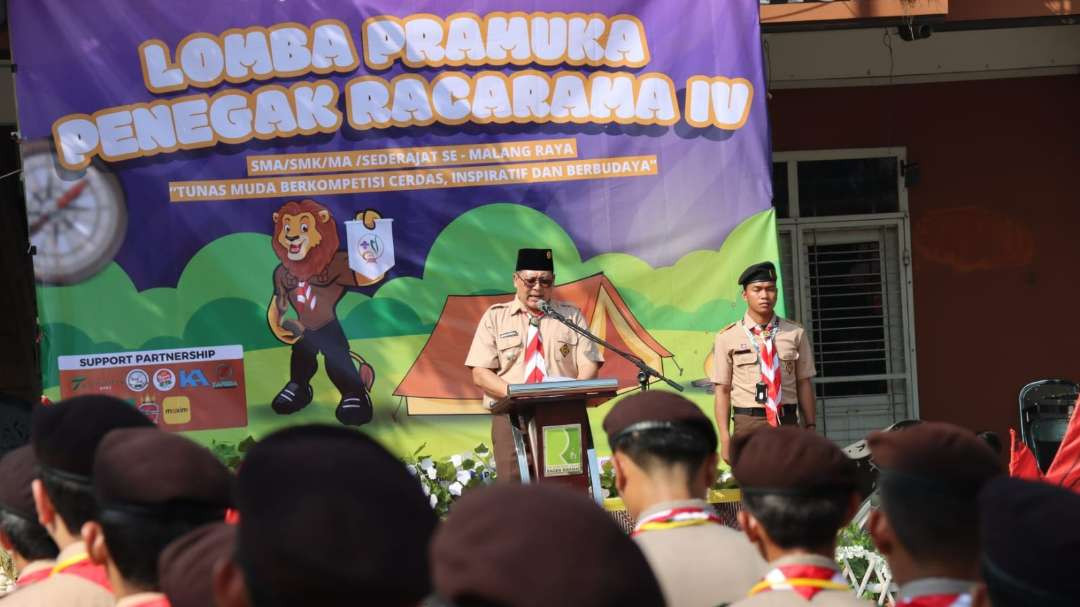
(538, 545)
(66, 435)
(186, 566)
(759, 272)
(535, 259)
(18, 468)
(790, 461)
(936, 456)
(1030, 540)
(147, 472)
(328, 516)
(659, 410)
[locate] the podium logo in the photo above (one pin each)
(562, 450)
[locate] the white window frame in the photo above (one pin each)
(901, 219)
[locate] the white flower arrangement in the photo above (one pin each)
(445, 479)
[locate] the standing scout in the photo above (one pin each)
(514, 344)
(762, 364)
(664, 452)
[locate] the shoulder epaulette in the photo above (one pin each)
(729, 326)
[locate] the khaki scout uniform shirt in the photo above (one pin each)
(61, 589)
(499, 343)
(735, 362)
(785, 598)
(701, 565)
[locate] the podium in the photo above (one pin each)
(549, 421)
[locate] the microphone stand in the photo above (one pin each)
(644, 370)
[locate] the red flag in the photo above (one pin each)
(1022, 463)
(1065, 469)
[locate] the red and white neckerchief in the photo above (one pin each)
(804, 580)
(674, 518)
(304, 296)
(81, 566)
(535, 367)
(962, 599)
(769, 362)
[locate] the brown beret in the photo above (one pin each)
(1030, 541)
(18, 468)
(537, 546)
(939, 456)
(186, 566)
(330, 517)
(658, 410)
(790, 460)
(150, 472)
(66, 435)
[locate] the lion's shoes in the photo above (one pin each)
(355, 409)
(292, 398)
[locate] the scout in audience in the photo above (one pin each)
(328, 517)
(186, 566)
(537, 546)
(65, 436)
(927, 525)
(151, 487)
(1030, 534)
(665, 454)
(33, 551)
(799, 490)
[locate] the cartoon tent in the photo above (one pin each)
(439, 383)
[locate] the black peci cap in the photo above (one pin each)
(659, 410)
(535, 259)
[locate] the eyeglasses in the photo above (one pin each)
(531, 282)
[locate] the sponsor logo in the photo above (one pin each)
(176, 409)
(76, 382)
(164, 379)
(151, 410)
(137, 380)
(193, 379)
(224, 377)
(82, 382)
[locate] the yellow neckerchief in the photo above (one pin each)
(804, 582)
(70, 562)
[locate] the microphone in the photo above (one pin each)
(544, 306)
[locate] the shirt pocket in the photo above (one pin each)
(740, 359)
(509, 349)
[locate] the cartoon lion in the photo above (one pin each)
(311, 279)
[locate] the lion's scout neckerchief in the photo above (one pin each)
(32, 577)
(804, 580)
(535, 366)
(675, 518)
(769, 362)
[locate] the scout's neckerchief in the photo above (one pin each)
(805, 580)
(80, 566)
(535, 368)
(155, 601)
(34, 576)
(769, 362)
(674, 518)
(962, 599)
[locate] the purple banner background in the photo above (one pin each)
(82, 57)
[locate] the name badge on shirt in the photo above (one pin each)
(508, 334)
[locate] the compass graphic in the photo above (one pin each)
(77, 220)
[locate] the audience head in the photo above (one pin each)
(327, 517)
(930, 476)
(151, 487)
(1030, 541)
(20, 531)
(536, 546)
(186, 566)
(65, 437)
(992, 440)
(659, 437)
(798, 489)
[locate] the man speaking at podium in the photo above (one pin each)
(516, 344)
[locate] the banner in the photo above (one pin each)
(206, 182)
